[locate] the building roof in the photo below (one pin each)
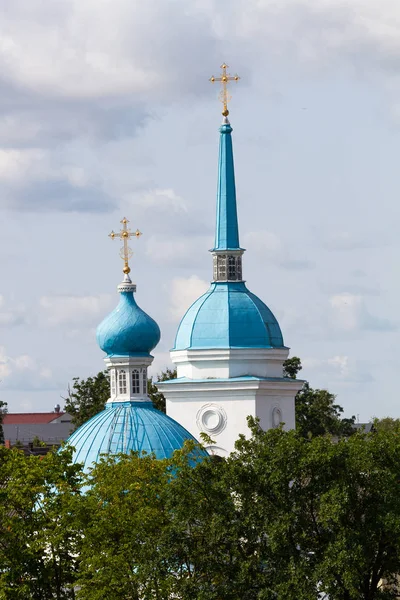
(228, 315)
(227, 230)
(124, 427)
(37, 417)
(128, 330)
(51, 433)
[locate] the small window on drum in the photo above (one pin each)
(222, 267)
(135, 382)
(144, 380)
(239, 268)
(232, 267)
(122, 382)
(215, 265)
(113, 383)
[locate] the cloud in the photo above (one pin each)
(11, 316)
(170, 215)
(346, 240)
(178, 251)
(271, 248)
(103, 50)
(349, 313)
(56, 195)
(74, 310)
(184, 291)
(339, 369)
(23, 372)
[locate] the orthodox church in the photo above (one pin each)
(228, 351)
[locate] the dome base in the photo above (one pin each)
(229, 362)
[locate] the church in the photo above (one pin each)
(228, 351)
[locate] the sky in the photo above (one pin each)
(106, 111)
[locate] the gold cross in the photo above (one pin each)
(125, 234)
(224, 79)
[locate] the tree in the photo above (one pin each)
(39, 529)
(3, 411)
(387, 424)
(282, 518)
(316, 411)
(329, 513)
(87, 397)
(155, 396)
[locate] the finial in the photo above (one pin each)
(125, 234)
(224, 79)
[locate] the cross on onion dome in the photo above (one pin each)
(125, 234)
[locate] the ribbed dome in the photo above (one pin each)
(124, 427)
(228, 315)
(128, 330)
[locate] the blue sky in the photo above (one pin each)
(106, 111)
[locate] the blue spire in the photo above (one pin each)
(227, 231)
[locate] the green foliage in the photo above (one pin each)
(38, 443)
(317, 414)
(316, 411)
(387, 424)
(87, 397)
(282, 518)
(3, 411)
(291, 367)
(39, 525)
(157, 397)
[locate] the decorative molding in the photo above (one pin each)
(211, 418)
(127, 287)
(276, 417)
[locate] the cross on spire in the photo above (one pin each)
(224, 79)
(125, 234)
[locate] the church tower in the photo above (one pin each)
(229, 349)
(129, 421)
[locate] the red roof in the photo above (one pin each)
(28, 418)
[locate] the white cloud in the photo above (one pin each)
(350, 314)
(10, 316)
(74, 310)
(184, 291)
(270, 246)
(124, 47)
(338, 369)
(23, 372)
(163, 200)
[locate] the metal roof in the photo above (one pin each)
(124, 427)
(228, 315)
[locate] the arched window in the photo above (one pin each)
(122, 382)
(222, 267)
(239, 268)
(135, 382)
(113, 382)
(144, 379)
(232, 267)
(215, 264)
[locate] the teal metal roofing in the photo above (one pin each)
(228, 315)
(124, 427)
(128, 330)
(227, 231)
(229, 379)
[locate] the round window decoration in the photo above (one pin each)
(211, 418)
(276, 416)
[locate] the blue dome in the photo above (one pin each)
(228, 315)
(128, 330)
(124, 427)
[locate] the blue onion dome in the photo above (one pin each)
(228, 315)
(128, 426)
(128, 330)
